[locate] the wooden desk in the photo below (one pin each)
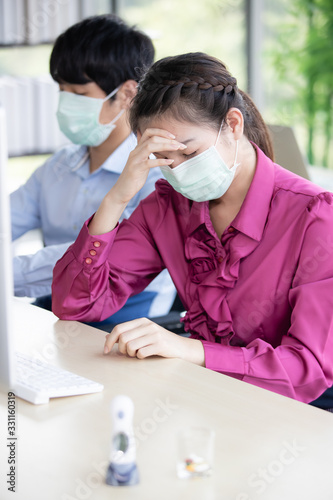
(267, 446)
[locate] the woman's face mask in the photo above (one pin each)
(78, 118)
(203, 177)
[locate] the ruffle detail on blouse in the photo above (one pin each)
(213, 272)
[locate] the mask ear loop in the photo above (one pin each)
(236, 153)
(235, 165)
(120, 112)
(111, 93)
(218, 136)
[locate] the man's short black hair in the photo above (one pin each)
(101, 49)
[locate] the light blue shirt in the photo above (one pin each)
(58, 198)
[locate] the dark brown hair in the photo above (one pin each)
(101, 49)
(197, 88)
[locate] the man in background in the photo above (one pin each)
(97, 64)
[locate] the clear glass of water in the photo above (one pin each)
(195, 452)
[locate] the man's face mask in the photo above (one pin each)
(204, 177)
(78, 118)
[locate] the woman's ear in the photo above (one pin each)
(235, 121)
(126, 93)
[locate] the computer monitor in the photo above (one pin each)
(64, 383)
(6, 273)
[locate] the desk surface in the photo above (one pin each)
(267, 446)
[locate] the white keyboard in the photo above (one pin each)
(36, 381)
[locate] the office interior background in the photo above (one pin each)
(281, 52)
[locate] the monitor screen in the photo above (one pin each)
(6, 274)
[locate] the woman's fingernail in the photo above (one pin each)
(106, 349)
(182, 146)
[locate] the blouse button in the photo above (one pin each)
(220, 259)
(92, 252)
(97, 244)
(88, 260)
(231, 230)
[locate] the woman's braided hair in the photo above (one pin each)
(196, 88)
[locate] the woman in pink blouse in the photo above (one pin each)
(248, 244)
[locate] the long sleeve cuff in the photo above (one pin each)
(92, 251)
(224, 359)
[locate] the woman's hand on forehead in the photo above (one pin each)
(151, 132)
(160, 140)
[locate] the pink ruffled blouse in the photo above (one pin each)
(260, 299)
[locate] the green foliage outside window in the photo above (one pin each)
(304, 59)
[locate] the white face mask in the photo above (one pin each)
(78, 118)
(204, 177)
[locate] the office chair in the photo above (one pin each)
(171, 321)
(286, 150)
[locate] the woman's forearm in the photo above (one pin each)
(107, 215)
(133, 178)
